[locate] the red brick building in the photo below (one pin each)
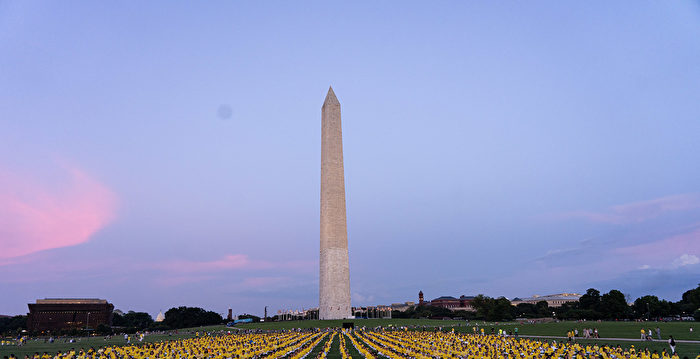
(452, 303)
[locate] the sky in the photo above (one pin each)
(159, 154)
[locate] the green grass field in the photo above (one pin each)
(630, 330)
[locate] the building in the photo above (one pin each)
(402, 307)
(53, 314)
(452, 303)
(465, 302)
(553, 300)
(445, 302)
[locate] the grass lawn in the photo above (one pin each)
(370, 323)
(313, 353)
(334, 352)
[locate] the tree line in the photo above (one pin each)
(175, 318)
(591, 306)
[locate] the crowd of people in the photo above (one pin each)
(395, 343)
(424, 345)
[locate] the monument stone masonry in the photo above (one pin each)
(334, 280)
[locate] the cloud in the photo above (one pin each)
(637, 212)
(172, 281)
(360, 298)
(35, 217)
(661, 252)
(603, 260)
(253, 274)
(685, 260)
(263, 282)
(229, 262)
(664, 282)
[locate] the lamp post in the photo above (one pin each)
(648, 312)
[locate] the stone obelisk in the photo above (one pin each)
(334, 281)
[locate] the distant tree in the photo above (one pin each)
(13, 324)
(429, 311)
(103, 329)
(690, 300)
(614, 306)
(646, 306)
(118, 319)
(492, 309)
(542, 309)
(527, 310)
(483, 305)
(184, 317)
(502, 310)
(139, 320)
(590, 300)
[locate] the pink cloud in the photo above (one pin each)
(231, 261)
(228, 262)
(665, 251)
(179, 272)
(665, 254)
(179, 280)
(36, 217)
(263, 282)
(641, 211)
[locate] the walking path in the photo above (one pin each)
(616, 339)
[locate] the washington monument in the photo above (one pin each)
(334, 281)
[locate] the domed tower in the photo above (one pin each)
(420, 297)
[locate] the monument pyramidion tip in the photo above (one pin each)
(330, 98)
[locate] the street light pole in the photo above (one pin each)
(648, 312)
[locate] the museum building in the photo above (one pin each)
(54, 314)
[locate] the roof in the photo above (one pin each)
(560, 296)
(71, 301)
(446, 297)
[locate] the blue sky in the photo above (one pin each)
(506, 149)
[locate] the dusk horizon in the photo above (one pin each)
(158, 155)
